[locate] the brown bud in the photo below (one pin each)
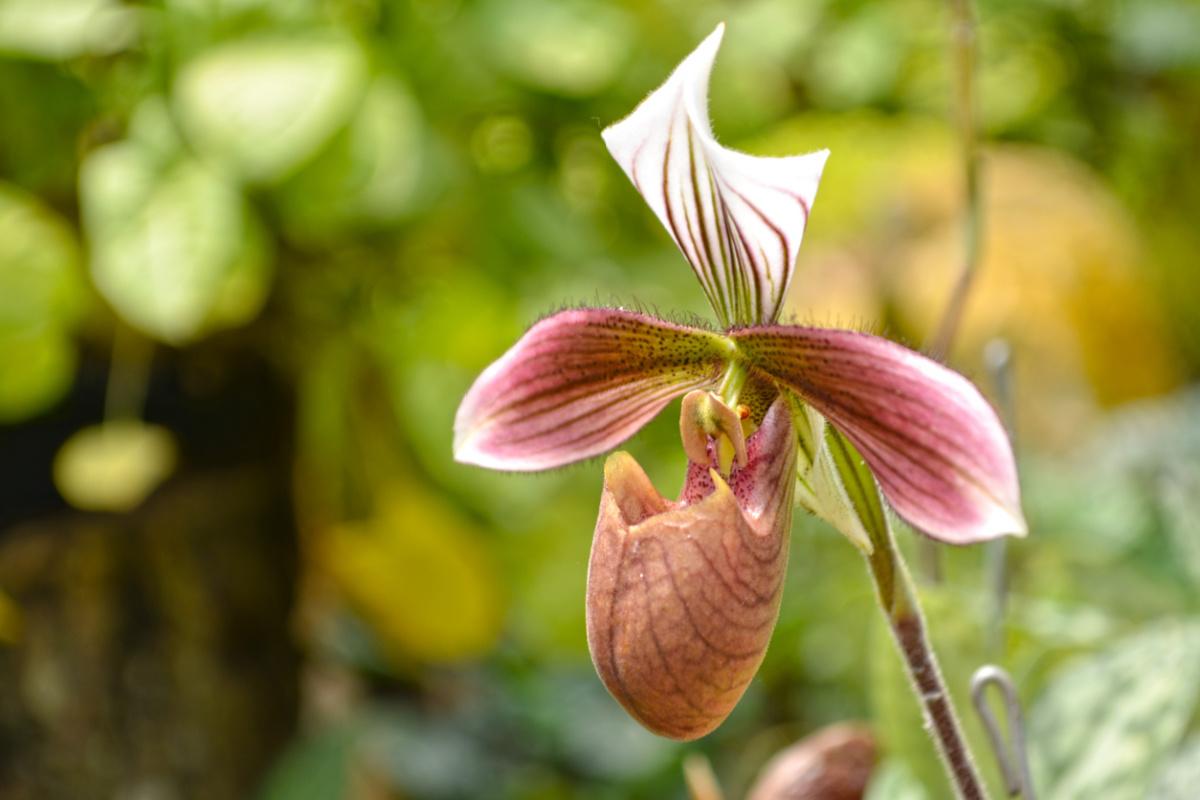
(682, 596)
(834, 763)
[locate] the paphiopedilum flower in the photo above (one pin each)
(682, 596)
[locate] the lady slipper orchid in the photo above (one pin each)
(682, 596)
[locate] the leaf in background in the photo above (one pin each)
(1155, 36)
(113, 466)
(1179, 490)
(313, 768)
(574, 48)
(858, 61)
(1181, 775)
(277, 12)
(369, 174)
(264, 106)
(40, 279)
(611, 746)
(420, 576)
(1105, 723)
(431, 757)
(174, 247)
(42, 294)
(36, 369)
(1154, 446)
(11, 620)
(1097, 514)
(61, 29)
(893, 780)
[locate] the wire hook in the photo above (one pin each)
(1011, 755)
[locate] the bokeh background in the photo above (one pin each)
(252, 252)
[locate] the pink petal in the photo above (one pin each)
(579, 383)
(737, 218)
(939, 452)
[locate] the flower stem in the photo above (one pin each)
(898, 600)
(901, 608)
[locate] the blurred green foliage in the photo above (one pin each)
(369, 200)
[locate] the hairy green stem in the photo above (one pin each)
(901, 607)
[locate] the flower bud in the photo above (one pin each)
(834, 763)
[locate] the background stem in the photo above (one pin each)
(997, 355)
(128, 374)
(965, 55)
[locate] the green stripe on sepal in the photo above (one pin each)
(829, 486)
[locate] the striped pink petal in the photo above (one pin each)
(579, 383)
(939, 452)
(738, 219)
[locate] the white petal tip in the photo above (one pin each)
(1007, 521)
(738, 219)
(465, 453)
(1019, 528)
(1002, 522)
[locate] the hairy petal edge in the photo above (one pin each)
(579, 383)
(937, 448)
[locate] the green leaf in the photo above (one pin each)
(174, 247)
(40, 278)
(1105, 723)
(893, 780)
(276, 11)
(1179, 490)
(1181, 775)
(60, 29)
(114, 466)
(430, 757)
(37, 367)
(42, 295)
(313, 768)
(264, 106)
(573, 48)
(612, 745)
(370, 174)
(1158, 35)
